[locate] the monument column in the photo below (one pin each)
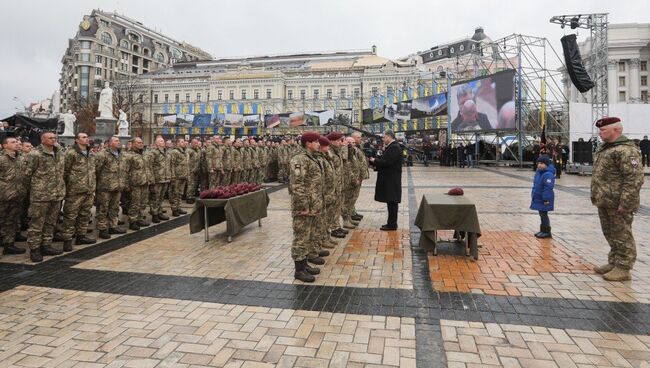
(612, 81)
(634, 81)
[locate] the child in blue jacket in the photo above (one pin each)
(542, 194)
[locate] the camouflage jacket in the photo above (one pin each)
(45, 173)
(110, 171)
(178, 163)
(617, 175)
(194, 160)
(12, 186)
(214, 157)
(363, 163)
(329, 189)
(353, 168)
(247, 158)
(158, 164)
(306, 184)
(227, 157)
(236, 155)
(337, 163)
(136, 169)
(79, 172)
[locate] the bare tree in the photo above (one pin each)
(131, 96)
(86, 112)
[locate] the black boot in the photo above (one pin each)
(155, 219)
(116, 230)
(323, 253)
(47, 250)
(142, 223)
(190, 201)
(163, 217)
(134, 226)
(337, 234)
(176, 213)
(541, 229)
(311, 270)
(104, 234)
(356, 217)
(12, 249)
(20, 237)
(344, 231)
(35, 255)
(120, 222)
(301, 272)
(57, 238)
(316, 260)
(182, 211)
(67, 245)
(82, 239)
(545, 233)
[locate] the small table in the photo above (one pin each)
(237, 211)
(445, 212)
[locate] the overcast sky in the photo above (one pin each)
(35, 32)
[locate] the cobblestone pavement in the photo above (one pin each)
(160, 297)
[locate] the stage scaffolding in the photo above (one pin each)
(535, 60)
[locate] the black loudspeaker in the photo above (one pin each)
(582, 153)
(574, 66)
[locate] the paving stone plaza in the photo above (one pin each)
(160, 297)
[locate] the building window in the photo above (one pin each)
(231, 94)
(98, 59)
(644, 80)
(256, 94)
(621, 66)
(176, 98)
(155, 98)
(85, 45)
(342, 93)
(268, 93)
(289, 94)
(356, 93)
(316, 92)
(98, 71)
(103, 23)
(329, 93)
(303, 94)
(621, 96)
(85, 57)
(219, 95)
(243, 94)
(644, 96)
(621, 81)
(644, 66)
(187, 97)
(198, 97)
(124, 44)
(207, 98)
(166, 97)
(106, 38)
(374, 91)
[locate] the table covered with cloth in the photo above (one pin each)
(237, 211)
(446, 212)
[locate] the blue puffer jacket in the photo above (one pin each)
(543, 189)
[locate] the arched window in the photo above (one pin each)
(160, 57)
(124, 44)
(136, 48)
(106, 38)
(145, 51)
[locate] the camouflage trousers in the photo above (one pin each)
(305, 234)
(350, 196)
(76, 214)
(156, 197)
(617, 229)
(260, 174)
(235, 177)
(176, 188)
(215, 179)
(193, 185)
(283, 174)
(108, 209)
(355, 197)
(10, 212)
(139, 195)
(334, 213)
(43, 217)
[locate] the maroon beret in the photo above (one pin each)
(324, 141)
(309, 137)
(334, 136)
(456, 191)
(606, 121)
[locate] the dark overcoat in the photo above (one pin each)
(389, 174)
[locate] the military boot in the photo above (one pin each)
(116, 230)
(337, 234)
(344, 231)
(317, 261)
(155, 219)
(12, 249)
(182, 211)
(356, 217)
(176, 213)
(35, 255)
(601, 270)
(163, 216)
(47, 250)
(311, 270)
(142, 223)
(618, 274)
(67, 245)
(134, 226)
(104, 234)
(20, 237)
(57, 238)
(82, 239)
(301, 272)
(323, 253)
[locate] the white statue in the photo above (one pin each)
(123, 125)
(68, 121)
(106, 103)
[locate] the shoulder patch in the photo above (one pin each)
(634, 162)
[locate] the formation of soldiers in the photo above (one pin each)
(325, 178)
(50, 190)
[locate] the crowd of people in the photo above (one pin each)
(50, 191)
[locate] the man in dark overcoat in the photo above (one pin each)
(389, 178)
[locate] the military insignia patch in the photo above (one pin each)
(634, 162)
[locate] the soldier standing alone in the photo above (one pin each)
(615, 184)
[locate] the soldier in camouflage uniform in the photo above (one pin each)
(334, 214)
(25, 149)
(283, 153)
(179, 171)
(45, 166)
(12, 188)
(158, 164)
(329, 195)
(247, 162)
(236, 162)
(214, 160)
(109, 167)
(352, 181)
(306, 190)
(615, 185)
(364, 174)
(80, 184)
(194, 159)
(227, 149)
(137, 184)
